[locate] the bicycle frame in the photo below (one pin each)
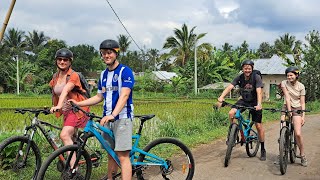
(91, 130)
(244, 126)
(36, 123)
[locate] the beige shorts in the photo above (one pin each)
(284, 107)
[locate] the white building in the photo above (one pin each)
(273, 72)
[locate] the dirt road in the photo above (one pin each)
(210, 157)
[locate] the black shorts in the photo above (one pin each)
(256, 115)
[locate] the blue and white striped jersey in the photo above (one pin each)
(110, 84)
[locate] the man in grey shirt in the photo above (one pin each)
(251, 85)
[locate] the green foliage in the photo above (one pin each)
(83, 57)
(265, 50)
(311, 75)
(148, 83)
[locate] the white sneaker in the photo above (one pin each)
(304, 161)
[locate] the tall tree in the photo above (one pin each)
(287, 44)
(153, 58)
(124, 43)
(310, 75)
(265, 50)
(14, 39)
(83, 58)
(244, 48)
(181, 45)
(226, 47)
(35, 41)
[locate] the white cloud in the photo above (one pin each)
(151, 22)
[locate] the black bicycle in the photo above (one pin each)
(287, 140)
(20, 155)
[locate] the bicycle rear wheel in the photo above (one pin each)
(252, 143)
(55, 168)
(283, 149)
(16, 162)
(175, 153)
(293, 148)
(231, 143)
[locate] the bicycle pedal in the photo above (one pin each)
(95, 164)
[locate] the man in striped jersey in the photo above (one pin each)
(115, 89)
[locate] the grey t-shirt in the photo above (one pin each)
(247, 88)
(259, 84)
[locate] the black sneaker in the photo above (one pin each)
(263, 155)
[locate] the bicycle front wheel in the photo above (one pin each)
(283, 149)
(18, 160)
(231, 143)
(59, 165)
(178, 157)
(252, 143)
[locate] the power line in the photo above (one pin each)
(124, 26)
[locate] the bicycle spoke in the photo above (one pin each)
(55, 168)
(15, 163)
(180, 163)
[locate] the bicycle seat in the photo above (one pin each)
(145, 117)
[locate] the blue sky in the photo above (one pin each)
(150, 22)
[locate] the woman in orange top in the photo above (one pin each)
(63, 84)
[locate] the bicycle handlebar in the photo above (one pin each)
(224, 103)
(273, 110)
(45, 111)
(78, 108)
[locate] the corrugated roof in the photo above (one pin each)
(164, 75)
(218, 85)
(274, 65)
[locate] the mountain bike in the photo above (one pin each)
(21, 156)
(248, 135)
(287, 139)
(163, 158)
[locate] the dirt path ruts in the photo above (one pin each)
(210, 157)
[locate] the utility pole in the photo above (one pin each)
(7, 19)
(195, 70)
(16, 57)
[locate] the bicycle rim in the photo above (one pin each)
(13, 165)
(283, 150)
(252, 144)
(175, 153)
(55, 168)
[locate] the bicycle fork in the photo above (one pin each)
(25, 154)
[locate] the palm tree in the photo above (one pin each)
(287, 44)
(15, 40)
(36, 40)
(124, 43)
(181, 45)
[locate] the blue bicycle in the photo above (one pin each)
(163, 158)
(248, 135)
